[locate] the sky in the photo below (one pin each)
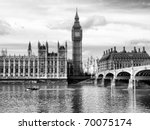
(105, 23)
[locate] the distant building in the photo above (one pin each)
(44, 66)
(112, 59)
(90, 66)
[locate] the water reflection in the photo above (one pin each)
(73, 99)
(77, 100)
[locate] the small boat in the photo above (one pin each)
(32, 88)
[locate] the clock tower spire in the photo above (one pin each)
(77, 46)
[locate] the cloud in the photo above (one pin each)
(94, 21)
(64, 24)
(5, 28)
(105, 21)
(90, 23)
(97, 21)
(133, 24)
(139, 42)
(132, 4)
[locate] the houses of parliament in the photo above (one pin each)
(45, 65)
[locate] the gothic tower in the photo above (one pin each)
(77, 46)
(42, 54)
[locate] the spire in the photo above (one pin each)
(66, 44)
(39, 44)
(58, 46)
(47, 46)
(76, 22)
(29, 47)
(76, 17)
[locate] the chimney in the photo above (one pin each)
(144, 50)
(139, 50)
(135, 50)
(124, 49)
(104, 53)
(115, 49)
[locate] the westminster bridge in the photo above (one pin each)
(132, 75)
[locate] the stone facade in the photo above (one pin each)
(44, 66)
(112, 59)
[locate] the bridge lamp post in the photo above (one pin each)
(132, 74)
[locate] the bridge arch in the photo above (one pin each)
(109, 75)
(123, 75)
(142, 78)
(127, 71)
(140, 70)
(143, 74)
(100, 76)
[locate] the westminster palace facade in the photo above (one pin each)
(45, 65)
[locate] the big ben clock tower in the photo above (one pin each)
(77, 46)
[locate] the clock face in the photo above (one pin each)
(77, 34)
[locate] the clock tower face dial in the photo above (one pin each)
(77, 34)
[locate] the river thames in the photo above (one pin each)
(73, 99)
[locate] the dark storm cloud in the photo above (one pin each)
(5, 28)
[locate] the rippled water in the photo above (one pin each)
(85, 99)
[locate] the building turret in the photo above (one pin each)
(66, 45)
(47, 46)
(58, 45)
(39, 44)
(29, 49)
(4, 52)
